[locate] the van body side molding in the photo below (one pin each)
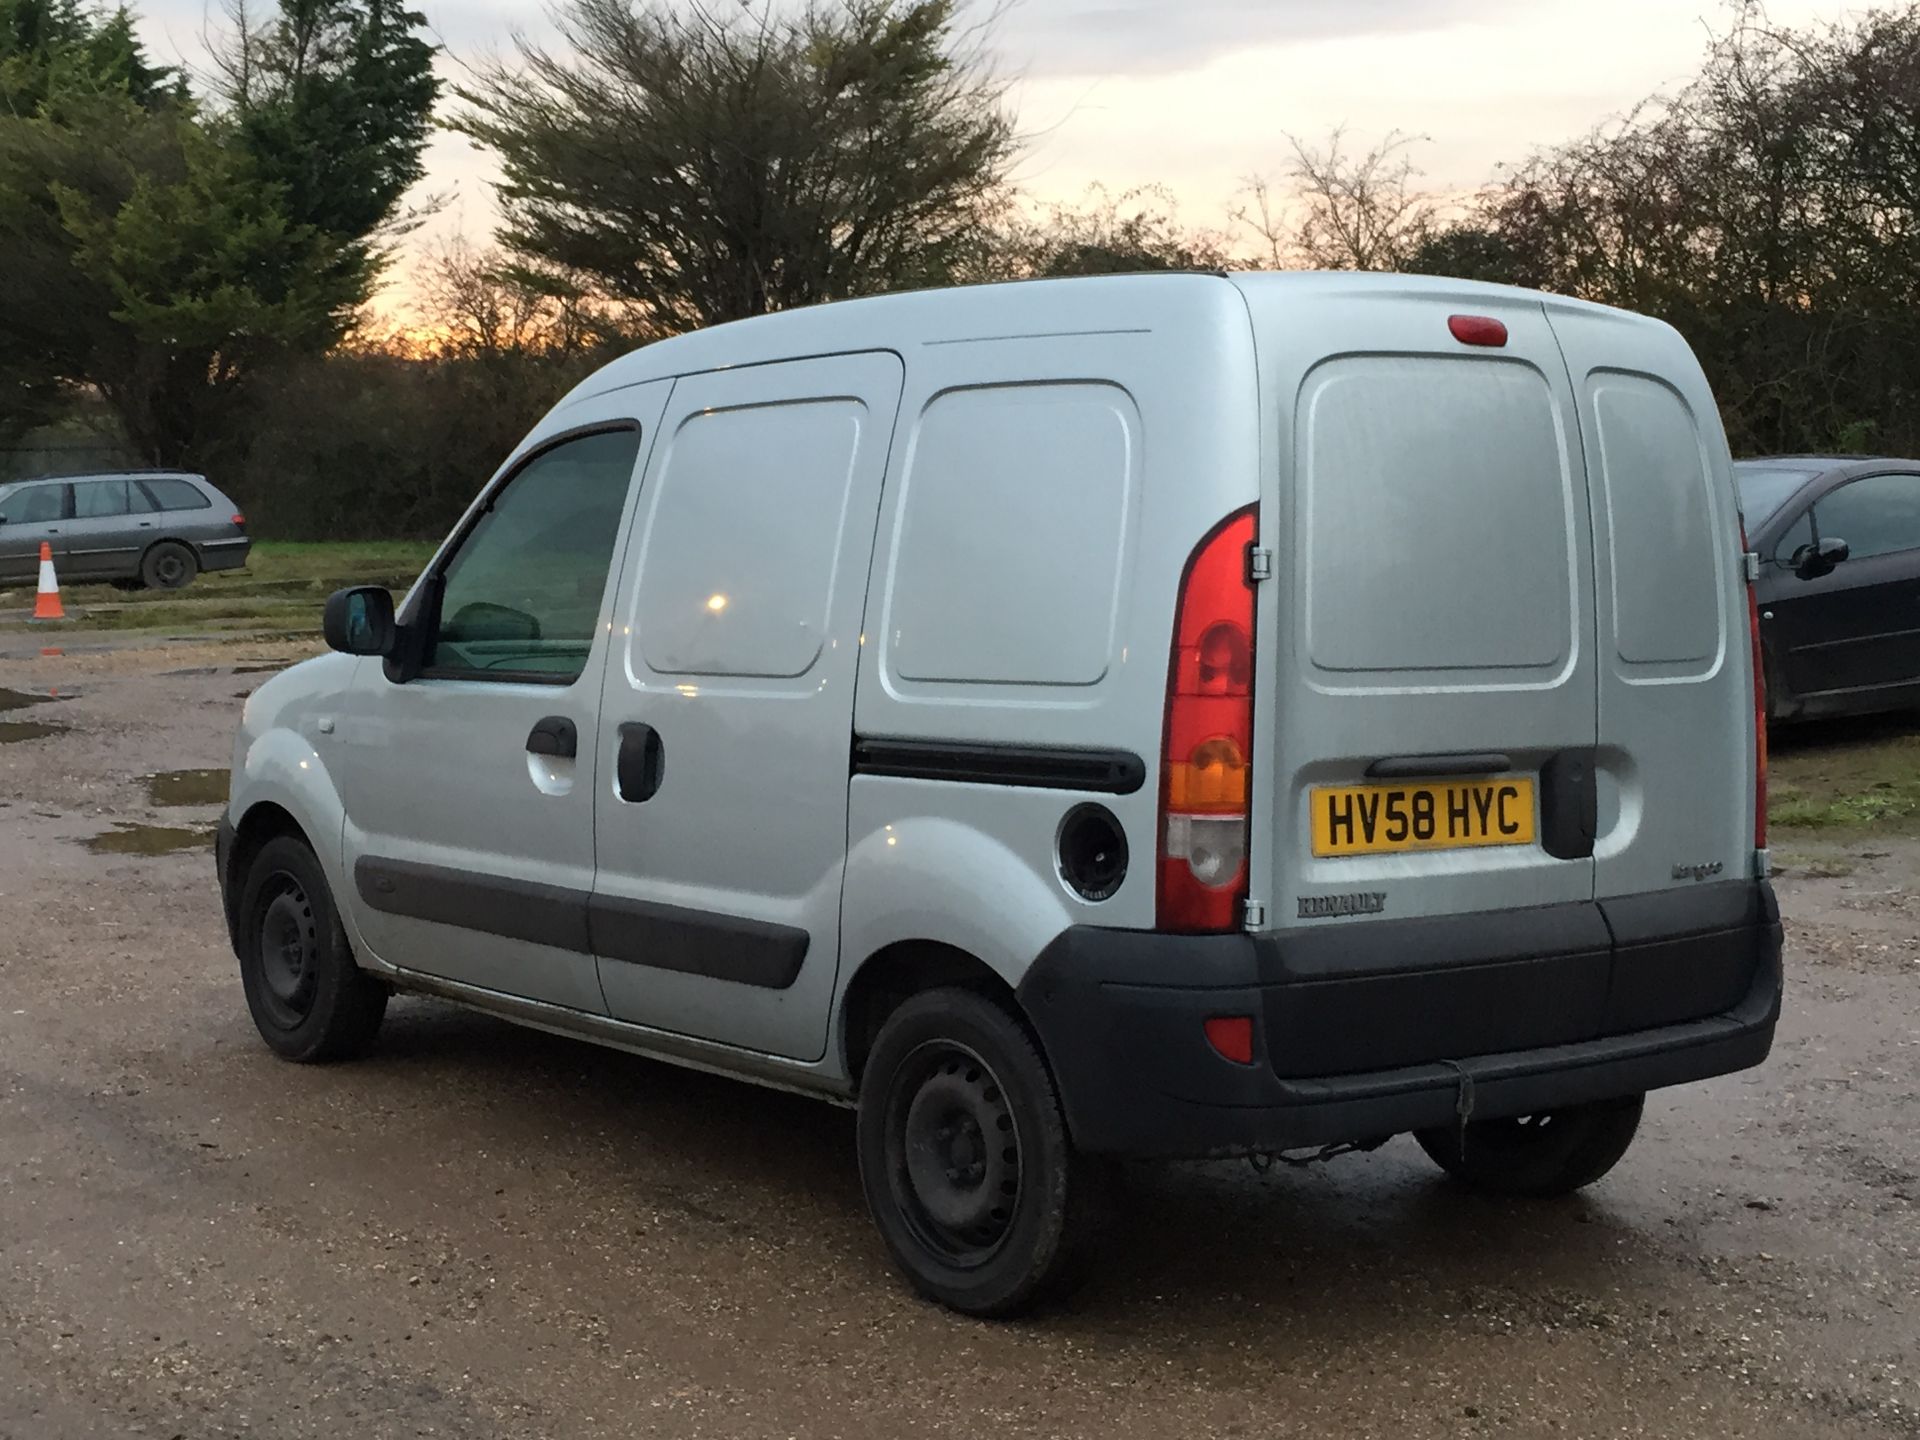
(492, 904)
(697, 942)
(634, 932)
(1039, 767)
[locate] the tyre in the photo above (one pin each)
(966, 1162)
(310, 1001)
(168, 566)
(1553, 1153)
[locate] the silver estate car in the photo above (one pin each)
(158, 529)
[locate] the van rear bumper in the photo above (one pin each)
(1365, 1030)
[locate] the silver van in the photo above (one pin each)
(1142, 717)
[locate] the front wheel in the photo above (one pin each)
(966, 1161)
(1552, 1153)
(309, 1000)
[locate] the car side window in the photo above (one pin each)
(1798, 534)
(99, 499)
(1876, 515)
(35, 505)
(520, 596)
(173, 494)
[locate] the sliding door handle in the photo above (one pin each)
(642, 763)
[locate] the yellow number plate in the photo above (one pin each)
(1422, 815)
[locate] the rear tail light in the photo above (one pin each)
(1759, 704)
(1207, 753)
(240, 520)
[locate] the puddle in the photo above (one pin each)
(21, 699)
(126, 839)
(12, 732)
(188, 787)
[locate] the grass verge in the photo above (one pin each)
(280, 591)
(1847, 775)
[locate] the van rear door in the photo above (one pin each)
(1426, 692)
(1676, 706)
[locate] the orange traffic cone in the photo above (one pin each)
(46, 605)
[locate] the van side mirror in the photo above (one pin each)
(1810, 562)
(359, 621)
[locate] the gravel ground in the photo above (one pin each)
(482, 1231)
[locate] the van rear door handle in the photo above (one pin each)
(642, 763)
(1419, 767)
(556, 737)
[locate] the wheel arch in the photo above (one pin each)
(896, 973)
(263, 821)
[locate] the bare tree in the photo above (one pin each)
(1342, 211)
(1134, 231)
(476, 303)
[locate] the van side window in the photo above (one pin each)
(1013, 529)
(99, 499)
(1878, 515)
(521, 593)
(35, 505)
(738, 572)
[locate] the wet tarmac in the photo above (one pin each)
(490, 1232)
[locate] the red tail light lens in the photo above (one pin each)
(241, 521)
(1759, 707)
(1206, 758)
(1232, 1037)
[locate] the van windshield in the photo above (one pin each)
(1765, 488)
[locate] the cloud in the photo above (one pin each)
(1041, 38)
(1157, 37)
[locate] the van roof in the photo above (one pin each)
(954, 314)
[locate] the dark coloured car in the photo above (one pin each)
(1839, 589)
(156, 529)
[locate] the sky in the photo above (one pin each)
(1198, 95)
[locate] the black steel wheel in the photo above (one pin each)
(168, 566)
(289, 948)
(310, 1001)
(1554, 1152)
(968, 1168)
(953, 1153)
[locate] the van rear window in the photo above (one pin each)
(1662, 543)
(1436, 524)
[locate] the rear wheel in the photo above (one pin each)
(1552, 1153)
(168, 566)
(309, 1000)
(966, 1161)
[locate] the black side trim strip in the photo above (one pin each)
(518, 909)
(1040, 767)
(697, 942)
(636, 932)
